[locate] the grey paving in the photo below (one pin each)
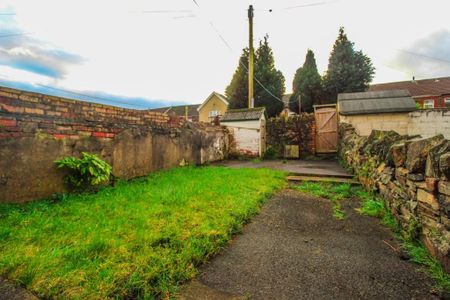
(295, 249)
(300, 167)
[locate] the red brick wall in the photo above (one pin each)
(24, 113)
(439, 101)
(37, 129)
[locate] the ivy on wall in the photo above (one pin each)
(294, 130)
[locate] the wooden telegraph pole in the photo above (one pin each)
(250, 58)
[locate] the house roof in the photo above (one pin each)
(286, 98)
(179, 110)
(220, 96)
(417, 88)
(243, 114)
(375, 102)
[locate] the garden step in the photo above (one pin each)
(322, 178)
(325, 174)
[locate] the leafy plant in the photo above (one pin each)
(84, 172)
(270, 153)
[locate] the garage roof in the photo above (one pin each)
(243, 114)
(375, 102)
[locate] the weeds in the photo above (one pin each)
(333, 192)
(375, 207)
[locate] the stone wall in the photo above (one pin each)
(295, 130)
(424, 122)
(37, 129)
(412, 175)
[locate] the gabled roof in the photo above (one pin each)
(375, 102)
(179, 110)
(243, 114)
(417, 88)
(220, 96)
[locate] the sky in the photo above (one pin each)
(153, 53)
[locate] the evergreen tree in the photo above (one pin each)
(348, 70)
(237, 90)
(272, 79)
(307, 84)
(265, 73)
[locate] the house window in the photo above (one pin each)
(214, 113)
(428, 103)
(447, 102)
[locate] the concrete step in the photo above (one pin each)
(314, 174)
(322, 179)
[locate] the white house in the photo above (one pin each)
(249, 129)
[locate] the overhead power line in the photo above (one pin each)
(225, 42)
(424, 56)
(166, 11)
(307, 5)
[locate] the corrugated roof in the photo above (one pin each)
(417, 88)
(375, 102)
(244, 114)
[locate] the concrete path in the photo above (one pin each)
(299, 167)
(295, 249)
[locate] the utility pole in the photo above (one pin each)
(250, 58)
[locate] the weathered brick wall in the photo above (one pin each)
(296, 130)
(36, 129)
(430, 122)
(412, 175)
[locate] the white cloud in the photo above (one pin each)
(130, 51)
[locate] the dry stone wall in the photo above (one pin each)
(412, 175)
(37, 129)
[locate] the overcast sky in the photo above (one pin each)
(157, 52)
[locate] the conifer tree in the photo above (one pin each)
(267, 75)
(307, 84)
(348, 70)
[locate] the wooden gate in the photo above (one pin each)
(326, 128)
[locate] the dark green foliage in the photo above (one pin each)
(271, 78)
(270, 153)
(348, 70)
(265, 73)
(84, 172)
(237, 90)
(307, 84)
(295, 130)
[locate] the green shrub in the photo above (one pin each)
(84, 172)
(270, 153)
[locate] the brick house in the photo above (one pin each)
(428, 93)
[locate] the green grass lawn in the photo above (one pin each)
(140, 239)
